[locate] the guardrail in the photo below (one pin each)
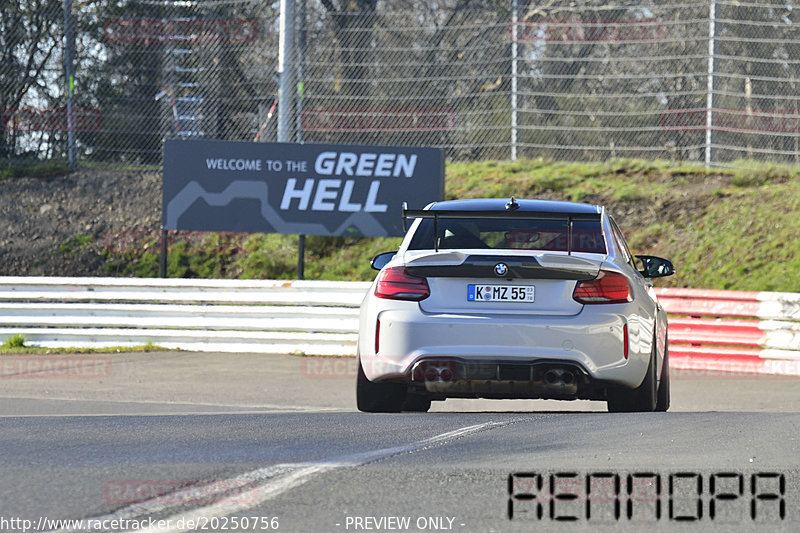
(709, 330)
(733, 331)
(269, 316)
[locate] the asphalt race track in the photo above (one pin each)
(247, 442)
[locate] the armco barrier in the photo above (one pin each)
(733, 331)
(270, 316)
(709, 330)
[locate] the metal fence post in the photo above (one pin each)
(301, 58)
(711, 97)
(69, 74)
(285, 70)
(286, 94)
(514, 53)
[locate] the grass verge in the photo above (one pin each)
(34, 170)
(724, 228)
(15, 344)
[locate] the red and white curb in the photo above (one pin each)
(733, 331)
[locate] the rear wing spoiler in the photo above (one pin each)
(436, 215)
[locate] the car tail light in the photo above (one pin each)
(378, 336)
(397, 284)
(607, 288)
(625, 340)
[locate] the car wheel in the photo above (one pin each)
(377, 397)
(662, 404)
(641, 399)
(417, 403)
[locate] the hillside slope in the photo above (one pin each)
(726, 229)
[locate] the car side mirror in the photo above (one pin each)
(380, 260)
(655, 267)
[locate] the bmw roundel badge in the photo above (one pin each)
(501, 269)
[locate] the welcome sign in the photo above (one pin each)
(311, 189)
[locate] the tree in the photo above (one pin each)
(353, 21)
(30, 38)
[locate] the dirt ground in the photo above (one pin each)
(63, 226)
(41, 216)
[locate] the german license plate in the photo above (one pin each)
(499, 293)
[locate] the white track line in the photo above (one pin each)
(266, 483)
(269, 406)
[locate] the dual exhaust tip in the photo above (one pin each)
(438, 373)
(559, 377)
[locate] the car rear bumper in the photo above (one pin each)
(592, 341)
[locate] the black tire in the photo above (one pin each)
(378, 397)
(662, 404)
(641, 399)
(417, 403)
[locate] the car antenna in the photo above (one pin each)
(512, 205)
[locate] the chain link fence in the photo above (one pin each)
(564, 79)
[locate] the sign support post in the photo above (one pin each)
(162, 260)
(286, 51)
(301, 253)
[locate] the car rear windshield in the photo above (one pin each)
(510, 234)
